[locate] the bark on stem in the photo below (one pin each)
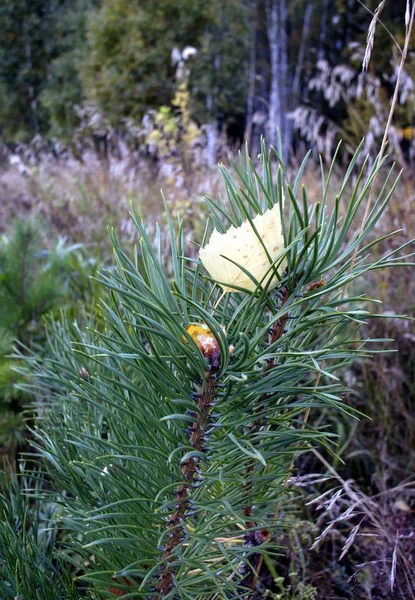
(176, 533)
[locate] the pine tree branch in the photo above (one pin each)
(198, 433)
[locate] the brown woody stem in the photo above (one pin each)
(190, 469)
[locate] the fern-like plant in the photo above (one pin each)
(171, 433)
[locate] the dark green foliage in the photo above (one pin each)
(116, 53)
(26, 47)
(148, 502)
(41, 46)
(33, 282)
(129, 69)
(63, 91)
(219, 73)
(29, 565)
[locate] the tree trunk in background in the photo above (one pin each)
(213, 126)
(274, 111)
(251, 74)
(286, 125)
(276, 13)
(348, 21)
(212, 143)
(28, 67)
(323, 29)
(296, 87)
(298, 81)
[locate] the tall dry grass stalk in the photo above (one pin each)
(370, 40)
(409, 21)
(383, 518)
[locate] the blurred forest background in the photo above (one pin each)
(104, 102)
(133, 96)
(253, 66)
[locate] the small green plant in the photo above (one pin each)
(173, 431)
(174, 130)
(34, 281)
(303, 592)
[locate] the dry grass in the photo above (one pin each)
(81, 198)
(370, 41)
(375, 533)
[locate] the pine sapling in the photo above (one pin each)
(173, 430)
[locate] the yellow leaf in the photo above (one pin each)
(243, 246)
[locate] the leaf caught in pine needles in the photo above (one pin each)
(255, 251)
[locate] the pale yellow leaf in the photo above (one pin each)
(243, 246)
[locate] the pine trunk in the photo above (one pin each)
(276, 12)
